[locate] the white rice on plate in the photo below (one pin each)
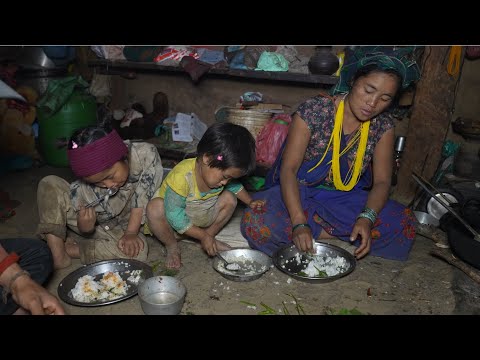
(110, 287)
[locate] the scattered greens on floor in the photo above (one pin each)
(268, 310)
(344, 311)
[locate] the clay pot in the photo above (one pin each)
(323, 62)
(472, 52)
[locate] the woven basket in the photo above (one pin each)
(250, 119)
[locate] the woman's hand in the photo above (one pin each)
(130, 244)
(303, 239)
(257, 204)
(362, 228)
(86, 219)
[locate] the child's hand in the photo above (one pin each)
(130, 244)
(257, 204)
(209, 244)
(86, 219)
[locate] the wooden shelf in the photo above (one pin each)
(119, 67)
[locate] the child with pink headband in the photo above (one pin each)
(198, 197)
(100, 160)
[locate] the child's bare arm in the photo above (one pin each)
(130, 243)
(245, 197)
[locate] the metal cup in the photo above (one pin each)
(400, 143)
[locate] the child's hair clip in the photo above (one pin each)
(219, 157)
(74, 145)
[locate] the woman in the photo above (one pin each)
(333, 175)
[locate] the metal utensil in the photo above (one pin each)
(445, 203)
(426, 219)
(124, 267)
(293, 262)
(228, 265)
(110, 192)
(254, 264)
(417, 197)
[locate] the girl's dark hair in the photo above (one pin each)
(371, 68)
(228, 145)
(88, 135)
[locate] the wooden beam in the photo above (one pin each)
(113, 67)
(429, 121)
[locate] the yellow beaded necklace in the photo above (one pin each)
(358, 162)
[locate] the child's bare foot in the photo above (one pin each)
(61, 260)
(173, 257)
(72, 248)
(60, 257)
(221, 246)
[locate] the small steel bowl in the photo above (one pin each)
(162, 295)
(255, 263)
(285, 259)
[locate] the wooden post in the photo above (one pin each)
(429, 121)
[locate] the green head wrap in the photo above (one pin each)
(400, 59)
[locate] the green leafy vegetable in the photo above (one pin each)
(268, 310)
(344, 311)
(247, 303)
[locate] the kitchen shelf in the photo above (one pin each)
(119, 67)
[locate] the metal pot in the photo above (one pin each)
(39, 78)
(462, 243)
(461, 240)
(33, 57)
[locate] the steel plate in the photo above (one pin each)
(96, 270)
(285, 259)
(253, 264)
(436, 209)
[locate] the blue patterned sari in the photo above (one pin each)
(327, 209)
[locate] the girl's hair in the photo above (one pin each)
(372, 68)
(88, 135)
(228, 145)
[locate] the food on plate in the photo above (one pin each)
(110, 287)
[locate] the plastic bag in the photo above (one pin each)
(271, 137)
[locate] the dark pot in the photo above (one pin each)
(323, 62)
(461, 240)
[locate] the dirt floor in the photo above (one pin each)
(421, 285)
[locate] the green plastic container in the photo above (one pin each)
(78, 112)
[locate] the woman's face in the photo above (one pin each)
(372, 94)
(115, 176)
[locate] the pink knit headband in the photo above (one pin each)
(100, 155)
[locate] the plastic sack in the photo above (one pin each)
(271, 137)
(270, 61)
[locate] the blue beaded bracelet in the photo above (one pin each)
(295, 227)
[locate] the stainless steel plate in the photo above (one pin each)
(285, 259)
(123, 266)
(426, 219)
(253, 264)
(436, 209)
